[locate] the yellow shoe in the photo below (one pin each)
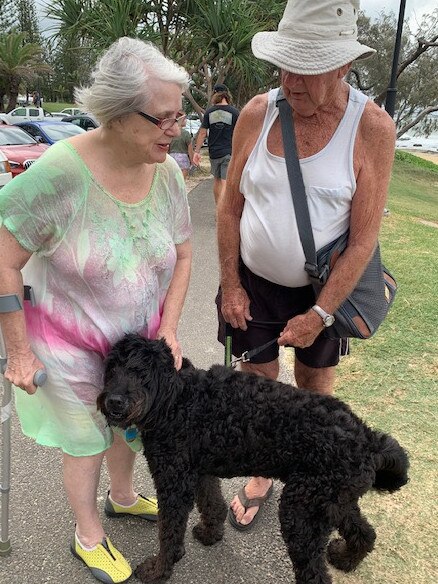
(144, 507)
(105, 562)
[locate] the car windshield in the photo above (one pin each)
(57, 132)
(14, 137)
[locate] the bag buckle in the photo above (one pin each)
(317, 274)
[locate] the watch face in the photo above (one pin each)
(329, 320)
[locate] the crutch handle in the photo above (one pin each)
(39, 378)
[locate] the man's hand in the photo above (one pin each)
(235, 307)
(301, 330)
(197, 158)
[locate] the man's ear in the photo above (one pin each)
(344, 70)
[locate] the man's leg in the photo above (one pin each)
(218, 188)
(257, 486)
(320, 380)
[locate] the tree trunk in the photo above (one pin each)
(13, 94)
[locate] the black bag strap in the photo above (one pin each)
(298, 191)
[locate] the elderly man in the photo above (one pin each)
(345, 145)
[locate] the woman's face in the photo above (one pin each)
(307, 93)
(149, 142)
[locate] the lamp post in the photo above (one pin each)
(391, 91)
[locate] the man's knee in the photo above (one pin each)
(269, 370)
(320, 380)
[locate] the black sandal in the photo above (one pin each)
(247, 503)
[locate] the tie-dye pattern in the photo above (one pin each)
(100, 268)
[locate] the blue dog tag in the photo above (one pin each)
(131, 434)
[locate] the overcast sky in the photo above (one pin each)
(414, 9)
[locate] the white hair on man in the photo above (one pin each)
(122, 79)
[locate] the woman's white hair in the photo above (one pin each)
(123, 79)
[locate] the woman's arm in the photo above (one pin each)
(175, 300)
(22, 363)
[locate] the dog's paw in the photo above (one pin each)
(338, 556)
(179, 553)
(208, 536)
(148, 571)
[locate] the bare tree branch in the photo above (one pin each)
(358, 80)
(423, 45)
(421, 116)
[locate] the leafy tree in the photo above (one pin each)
(18, 62)
(28, 21)
(216, 47)
(417, 93)
(8, 16)
(8, 21)
(212, 40)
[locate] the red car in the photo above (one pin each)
(19, 148)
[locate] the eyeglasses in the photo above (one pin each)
(164, 123)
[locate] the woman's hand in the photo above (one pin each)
(170, 337)
(301, 330)
(235, 307)
(21, 368)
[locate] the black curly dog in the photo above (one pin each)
(199, 425)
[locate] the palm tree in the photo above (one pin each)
(216, 47)
(19, 62)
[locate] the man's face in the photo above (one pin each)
(308, 93)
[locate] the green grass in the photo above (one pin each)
(391, 381)
(56, 106)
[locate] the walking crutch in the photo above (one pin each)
(9, 303)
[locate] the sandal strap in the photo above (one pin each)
(256, 501)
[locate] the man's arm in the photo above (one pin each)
(373, 158)
(202, 133)
(235, 302)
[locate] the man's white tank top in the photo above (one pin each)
(270, 245)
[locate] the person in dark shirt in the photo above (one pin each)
(219, 120)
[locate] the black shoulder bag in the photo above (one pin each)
(361, 314)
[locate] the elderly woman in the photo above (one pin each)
(100, 228)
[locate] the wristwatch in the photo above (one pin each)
(327, 319)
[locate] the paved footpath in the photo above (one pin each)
(42, 526)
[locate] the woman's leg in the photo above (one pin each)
(120, 460)
(81, 480)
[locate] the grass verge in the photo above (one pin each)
(391, 381)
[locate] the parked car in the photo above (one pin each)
(67, 111)
(24, 113)
(19, 148)
(193, 125)
(50, 131)
(84, 121)
(5, 170)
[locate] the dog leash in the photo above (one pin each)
(246, 355)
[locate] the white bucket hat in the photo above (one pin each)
(313, 37)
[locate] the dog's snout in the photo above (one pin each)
(115, 404)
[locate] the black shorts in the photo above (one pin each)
(271, 306)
